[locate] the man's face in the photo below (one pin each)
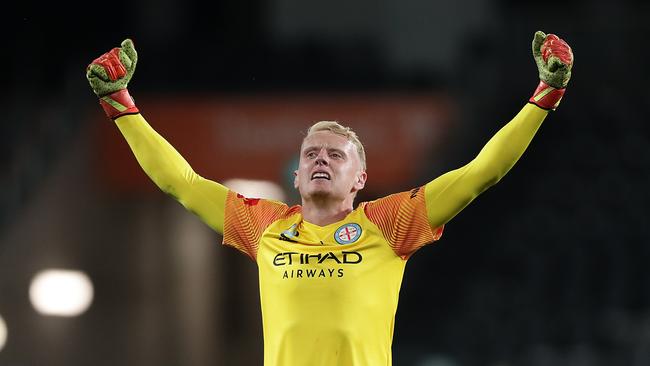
(330, 167)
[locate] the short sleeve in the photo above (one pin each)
(402, 218)
(245, 220)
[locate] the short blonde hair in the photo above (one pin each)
(347, 132)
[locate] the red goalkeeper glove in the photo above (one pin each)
(554, 59)
(109, 76)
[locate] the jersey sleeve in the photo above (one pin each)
(402, 219)
(246, 219)
(448, 194)
(172, 173)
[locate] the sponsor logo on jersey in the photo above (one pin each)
(294, 258)
(290, 234)
(348, 233)
(414, 192)
(316, 265)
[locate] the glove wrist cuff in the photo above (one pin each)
(118, 104)
(546, 96)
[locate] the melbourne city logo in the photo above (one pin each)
(348, 233)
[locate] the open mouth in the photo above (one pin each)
(320, 175)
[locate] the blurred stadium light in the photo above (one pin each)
(61, 292)
(256, 188)
(437, 360)
(3, 333)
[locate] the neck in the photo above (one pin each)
(325, 212)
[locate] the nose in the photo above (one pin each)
(322, 159)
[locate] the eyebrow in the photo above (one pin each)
(329, 149)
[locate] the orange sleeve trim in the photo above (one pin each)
(402, 218)
(246, 219)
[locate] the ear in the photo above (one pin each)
(361, 180)
(295, 179)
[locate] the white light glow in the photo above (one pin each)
(61, 292)
(256, 188)
(3, 333)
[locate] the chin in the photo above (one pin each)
(320, 193)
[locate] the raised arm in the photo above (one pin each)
(448, 194)
(109, 76)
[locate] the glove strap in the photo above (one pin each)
(118, 104)
(546, 96)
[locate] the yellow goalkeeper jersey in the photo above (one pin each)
(329, 294)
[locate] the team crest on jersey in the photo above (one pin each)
(348, 233)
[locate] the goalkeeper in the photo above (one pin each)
(329, 271)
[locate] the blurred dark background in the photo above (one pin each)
(549, 267)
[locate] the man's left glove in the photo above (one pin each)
(554, 59)
(109, 76)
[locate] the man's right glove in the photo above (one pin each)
(109, 76)
(554, 59)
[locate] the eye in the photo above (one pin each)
(311, 154)
(336, 155)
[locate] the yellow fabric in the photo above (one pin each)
(328, 313)
(329, 293)
(448, 194)
(326, 301)
(171, 173)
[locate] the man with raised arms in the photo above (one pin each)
(329, 271)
